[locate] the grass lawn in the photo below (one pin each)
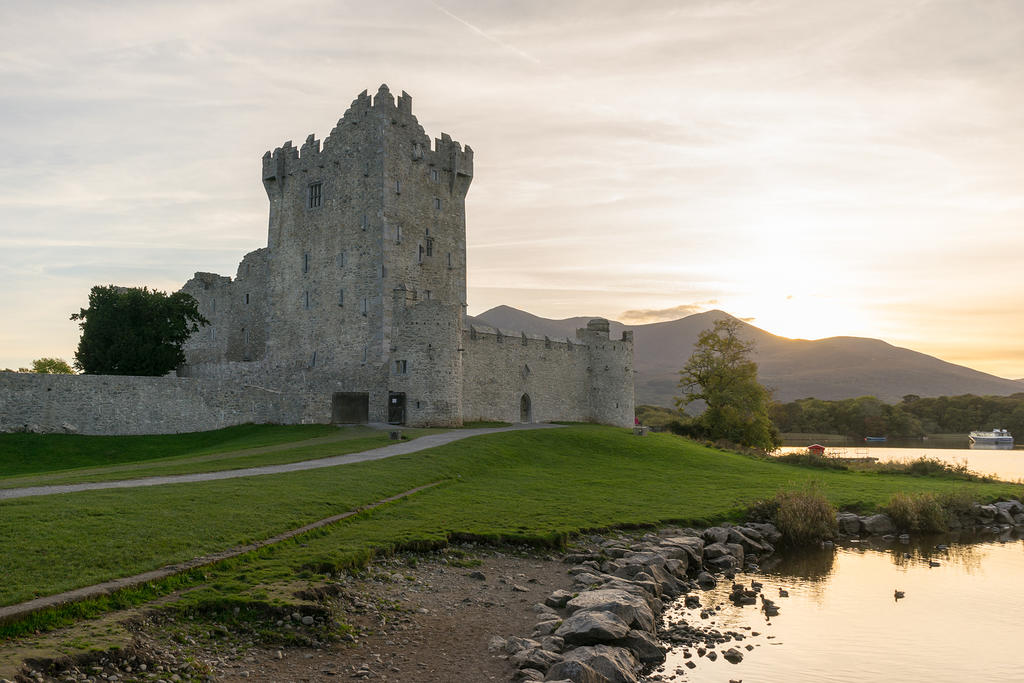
(532, 486)
(234, 448)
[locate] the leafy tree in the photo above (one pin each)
(134, 331)
(51, 366)
(721, 374)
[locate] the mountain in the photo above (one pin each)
(831, 369)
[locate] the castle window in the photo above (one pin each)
(341, 260)
(435, 175)
(366, 221)
(449, 259)
(382, 270)
(341, 297)
(363, 308)
(420, 257)
(312, 361)
(401, 367)
(430, 246)
(305, 262)
(316, 195)
(213, 305)
(398, 234)
(364, 354)
(437, 203)
(213, 333)
(247, 298)
(245, 336)
(307, 299)
(426, 294)
(524, 339)
(398, 187)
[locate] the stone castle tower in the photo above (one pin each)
(358, 300)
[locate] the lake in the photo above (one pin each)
(1004, 464)
(958, 622)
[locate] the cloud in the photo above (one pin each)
(650, 315)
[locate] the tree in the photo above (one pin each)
(51, 366)
(721, 374)
(134, 331)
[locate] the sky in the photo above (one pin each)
(816, 167)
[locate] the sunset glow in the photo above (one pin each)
(819, 169)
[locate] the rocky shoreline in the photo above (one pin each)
(612, 627)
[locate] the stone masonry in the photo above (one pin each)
(355, 311)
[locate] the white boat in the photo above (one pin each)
(997, 437)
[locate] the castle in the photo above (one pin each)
(358, 301)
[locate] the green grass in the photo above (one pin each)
(38, 453)
(341, 441)
(523, 486)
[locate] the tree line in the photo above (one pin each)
(913, 416)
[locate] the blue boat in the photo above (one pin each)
(875, 439)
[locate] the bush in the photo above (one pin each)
(806, 459)
(804, 516)
(922, 512)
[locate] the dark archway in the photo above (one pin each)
(525, 409)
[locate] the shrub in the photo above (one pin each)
(803, 516)
(922, 512)
(825, 462)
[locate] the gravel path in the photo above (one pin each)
(401, 448)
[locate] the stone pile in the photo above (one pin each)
(979, 518)
(607, 629)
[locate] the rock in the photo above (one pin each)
(587, 627)
(644, 646)
(558, 599)
(691, 545)
(520, 589)
(307, 620)
(546, 628)
(478, 575)
(878, 525)
(629, 608)
(706, 581)
(575, 672)
(496, 644)
(552, 643)
(715, 534)
(615, 664)
(733, 656)
(534, 658)
(515, 644)
(849, 523)
(712, 655)
(528, 675)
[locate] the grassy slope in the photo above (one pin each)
(339, 442)
(37, 453)
(532, 485)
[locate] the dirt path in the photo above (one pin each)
(401, 448)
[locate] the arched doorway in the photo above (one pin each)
(525, 409)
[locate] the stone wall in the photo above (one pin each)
(563, 380)
(116, 404)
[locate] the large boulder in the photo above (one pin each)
(768, 531)
(587, 627)
(878, 525)
(849, 523)
(631, 609)
(616, 664)
(723, 555)
(693, 546)
(715, 534)
(534, 658)
(574, 672)
(645, 646)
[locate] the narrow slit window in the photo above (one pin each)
(430, 246)
(305, 262)
(437, 203)
(363, 307)
(366, 221)
(398, 234)
(247, 298)
(435, 175)
(245, 336)
(449, 259)
(316, 191)
(398, 187)
(307, 298)
(420, 257)
(312, 361)
(341, 297)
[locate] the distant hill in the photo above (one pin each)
(830, 369)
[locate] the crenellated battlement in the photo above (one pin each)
(362, 126)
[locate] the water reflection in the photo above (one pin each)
(841, 621)
(1007, 465)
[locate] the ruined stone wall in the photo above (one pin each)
(589, 379)
(115, 404)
